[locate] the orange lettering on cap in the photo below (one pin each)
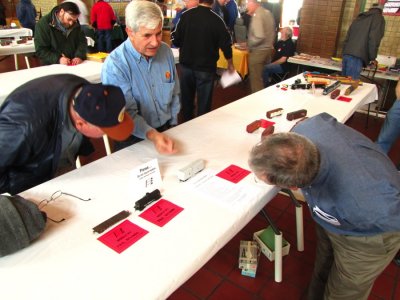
(167, 75)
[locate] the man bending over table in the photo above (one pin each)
(353, 192)
(44, 125)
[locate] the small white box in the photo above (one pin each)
(270, 254)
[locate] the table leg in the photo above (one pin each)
(16, 61)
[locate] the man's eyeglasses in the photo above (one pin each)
(54, 197)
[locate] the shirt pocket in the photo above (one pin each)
(165, 93)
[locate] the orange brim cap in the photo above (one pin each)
(121, 131)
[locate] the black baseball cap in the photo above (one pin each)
(104, 107)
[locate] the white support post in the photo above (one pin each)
(278, 257)
(300, 228)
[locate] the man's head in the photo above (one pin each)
(252, 5)
(286, 33)
(191, 3)
(144, 22)
(68, 13)
(287, 160)
(98, 109)
(222, 2)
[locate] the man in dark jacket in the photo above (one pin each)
(43, 123)
(199, 34)
(362, 41)
(59, 38)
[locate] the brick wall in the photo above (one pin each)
(44, 5)
(320, 27)
(324, 25)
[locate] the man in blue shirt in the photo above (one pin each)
(144, 68)
(353, 193)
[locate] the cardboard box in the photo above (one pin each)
(266, 240)
(249, 255)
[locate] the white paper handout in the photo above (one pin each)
(223, 192)
(228, 79)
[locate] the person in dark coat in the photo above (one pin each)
(59, 38)
(362, 42)
(44, 124)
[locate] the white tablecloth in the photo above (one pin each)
(9, 81)
(68, 262)
(28, 47)
(15, 32)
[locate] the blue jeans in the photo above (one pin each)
(104, 41)
(195, 82)
(269, 70)
(390, 130)
(352, 66)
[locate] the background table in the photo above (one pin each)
(239, 58)
(329, 64)
(15, 33)
(89, 70)
(70, 263)
(14, 49)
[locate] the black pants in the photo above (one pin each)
(196, 82)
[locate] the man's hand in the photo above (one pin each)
(163, 143)
(65, 60)
(76, 61)
(231, 67)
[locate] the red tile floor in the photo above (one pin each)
(220, 278)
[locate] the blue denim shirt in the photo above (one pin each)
(151, 88)
(356, 191)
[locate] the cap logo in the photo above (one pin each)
(121, 115)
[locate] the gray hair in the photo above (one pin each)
(289, 32)
(286, 160)
(143, 13)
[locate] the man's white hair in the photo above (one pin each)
(143, 13)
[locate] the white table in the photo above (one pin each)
(70, 263)
(328, 64)
(15, 33)
(14, 49)
(89, 70)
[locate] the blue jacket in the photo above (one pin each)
(357, 189)
(31, 123)
(26, 14)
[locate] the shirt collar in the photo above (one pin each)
(138, 56)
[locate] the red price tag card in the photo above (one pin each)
(265, 123)
(343, 98)
(123, 236)
(161, 212)
(233, 173)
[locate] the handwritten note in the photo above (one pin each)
(161, 212)
(123, 236)
(233, 173)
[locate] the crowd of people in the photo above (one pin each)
(350, 184)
